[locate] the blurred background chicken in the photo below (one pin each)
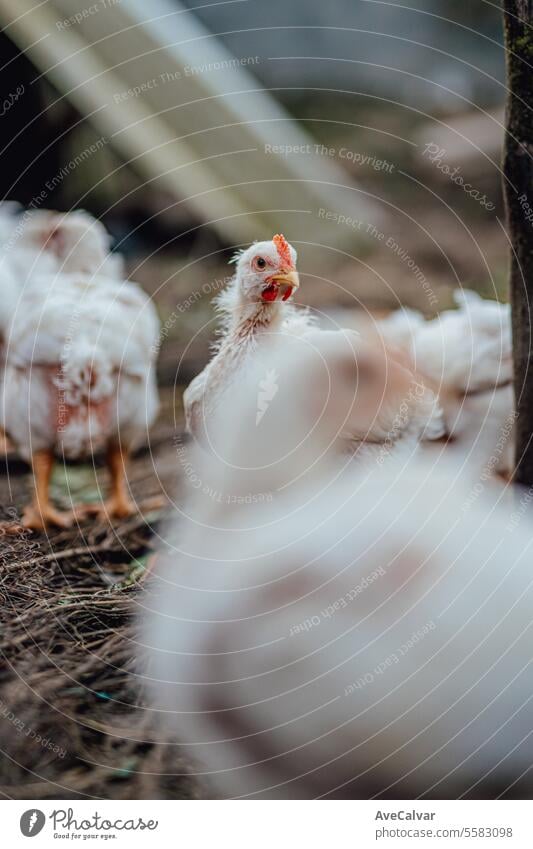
(466, 355)
(39, 241)
(366, 631)
(79, 354)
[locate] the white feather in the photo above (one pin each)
(466, 354)
(78, 341)
(355, 634)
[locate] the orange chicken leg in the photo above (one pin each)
(41, 513)
(118, 504)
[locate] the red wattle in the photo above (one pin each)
(270, 293)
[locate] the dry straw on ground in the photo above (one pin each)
(72, 719)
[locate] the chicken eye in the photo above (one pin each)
(260, 263)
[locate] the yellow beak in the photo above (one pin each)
(289, 278)
(287, 281)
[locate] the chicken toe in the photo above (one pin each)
(38, 517)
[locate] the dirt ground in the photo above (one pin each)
(73, 723)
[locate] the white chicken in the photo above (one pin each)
(79, 379)
(360, 635)
(253, 307)
(42, 242)
(256, 315)
(466, 354)
(45, 241)
(38, 243)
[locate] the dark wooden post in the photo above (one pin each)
(518, 190)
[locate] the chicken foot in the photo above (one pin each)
(118, 505)
(41, 513)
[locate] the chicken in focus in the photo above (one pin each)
(257, 315)
(254, 308)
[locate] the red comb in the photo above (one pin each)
(284, 250)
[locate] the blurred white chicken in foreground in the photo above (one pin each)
(79, 351)
(467, 356)
(257, 316)
(351, 389)
(339, 634)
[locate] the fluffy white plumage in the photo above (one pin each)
(359, 635)
(253, 310)
(254, 317)
(78, 353)
(466, 354)
(80, 365)
(43, 241)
